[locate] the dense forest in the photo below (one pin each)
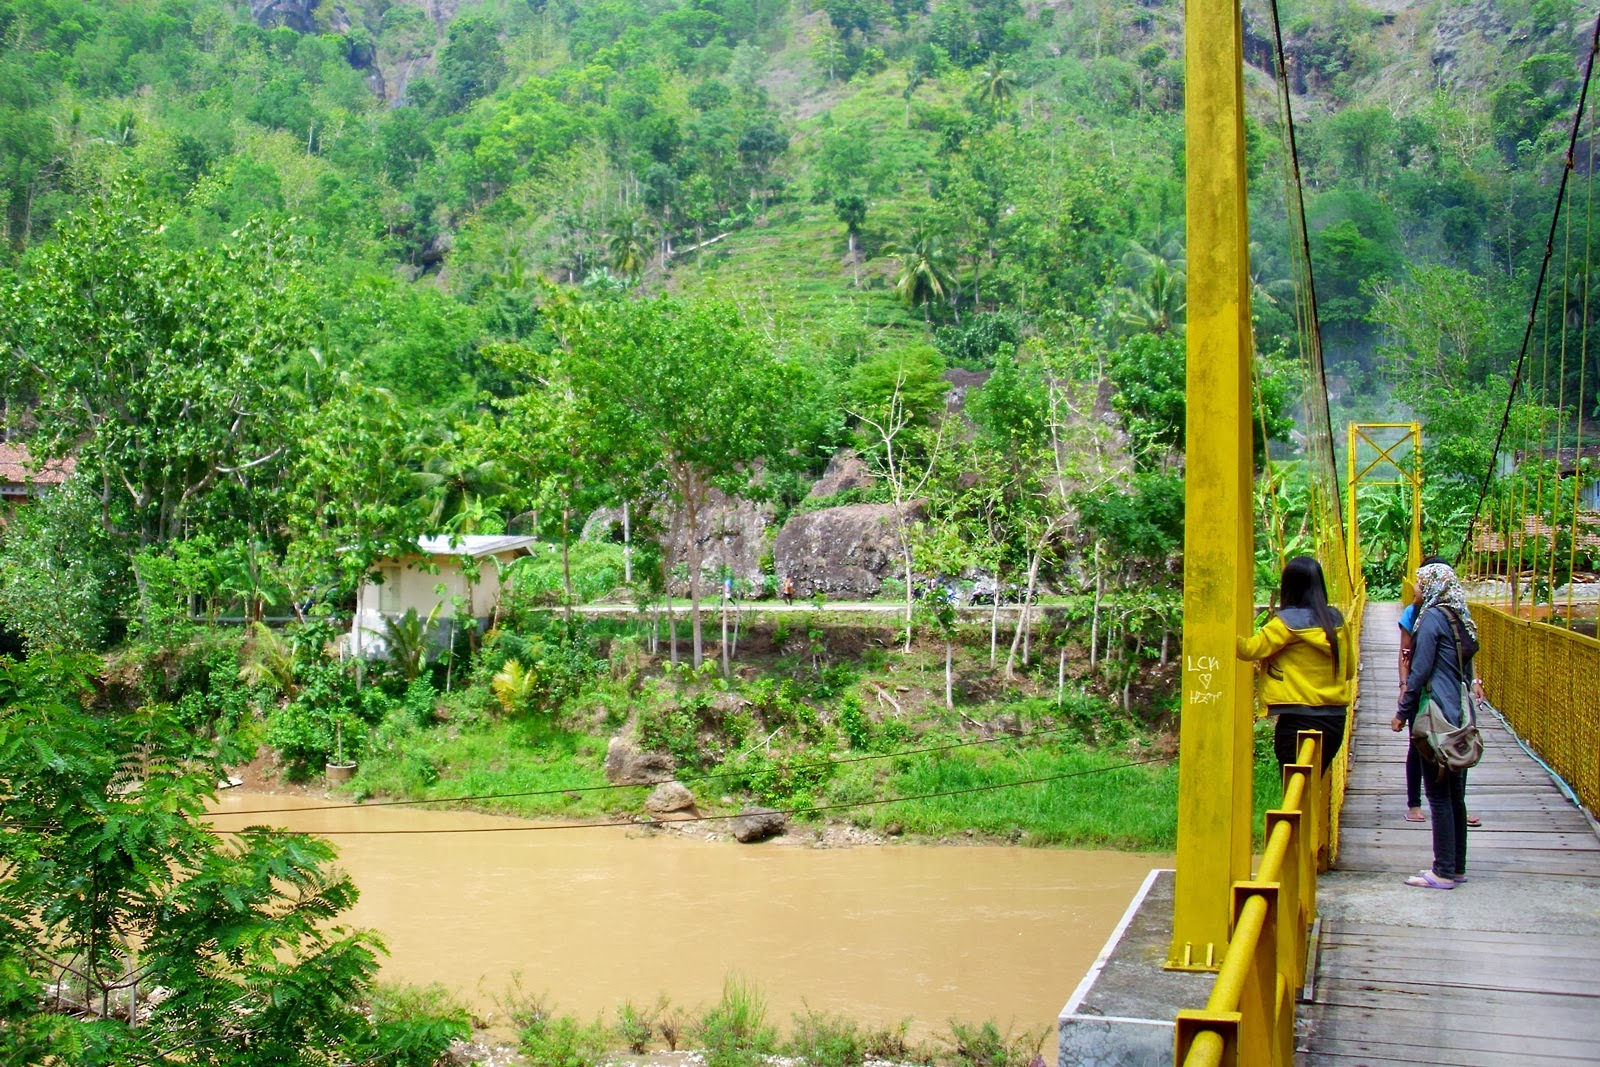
(290, 285)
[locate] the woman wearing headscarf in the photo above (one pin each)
(1439, 664)
(1308, 663)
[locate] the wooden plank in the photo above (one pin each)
(1444, 1031)
(1384, 932)
(1454, 982)
(1372, 1053)
(1373, 1021)
(1462, 998)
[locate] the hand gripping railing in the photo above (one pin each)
(1249, 1018)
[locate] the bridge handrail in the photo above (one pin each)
(1543, 679)
(1249, 1017)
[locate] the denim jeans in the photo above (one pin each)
(1413, 777)
(1447, 802)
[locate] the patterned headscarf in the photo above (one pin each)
(1441, 588)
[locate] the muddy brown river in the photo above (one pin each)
(599, 915)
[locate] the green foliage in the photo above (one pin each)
(824, 1040)
(734, 1031)
(1148, 370)
(243, 935)
(913, 377)
(983, 1045)
(61, 574)
(563, 1041)
(162, 400)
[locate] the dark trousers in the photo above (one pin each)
(1413, 777)
(1286, 741)
(1447, 803)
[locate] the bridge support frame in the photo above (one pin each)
(1215, 736)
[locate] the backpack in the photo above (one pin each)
(1449, 747)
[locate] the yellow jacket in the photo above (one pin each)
(1299, 663)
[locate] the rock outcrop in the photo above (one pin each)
(843, 552)
(758, 824)
(626, 765)
(846, 471)
(295, 14)
(671, 798)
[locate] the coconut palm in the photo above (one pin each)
(1156, 304)
(996, 83)
(927, 269)
(630, 249)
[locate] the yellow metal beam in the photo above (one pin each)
(1214, 785)
(1407, 472)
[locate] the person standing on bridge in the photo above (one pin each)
(1306, 663)
(1408, 634)
(1436, 667)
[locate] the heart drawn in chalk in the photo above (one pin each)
(1205, 681)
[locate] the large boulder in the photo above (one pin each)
(626, 765)
(733, 534)
(846, 471)
(670, 798)
(844, 552)
(758, 824)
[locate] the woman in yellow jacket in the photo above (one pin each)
(1307, 664)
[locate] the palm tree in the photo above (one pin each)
(630, 250)
(1156, 304)
(927, 269)
(996, 83)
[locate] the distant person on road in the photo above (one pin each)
(1306, 663)
(1436, 667)
(786, 590)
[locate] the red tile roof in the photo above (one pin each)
(17, 467)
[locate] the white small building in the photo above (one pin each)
(445, 572)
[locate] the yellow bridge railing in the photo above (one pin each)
(1249, 1018)
(1546, 681)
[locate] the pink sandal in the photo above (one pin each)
(1415, 815)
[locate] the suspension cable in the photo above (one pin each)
(1538, 291)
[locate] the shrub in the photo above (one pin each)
(826, 1040)
(734, 1031)
(983, 1045)
(415, 1024)
(636, 1026)
(563, 1041)
(853, 722)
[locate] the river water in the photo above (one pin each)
(598, 915)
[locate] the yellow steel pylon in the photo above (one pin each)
(1392, 463)
(1215, 781)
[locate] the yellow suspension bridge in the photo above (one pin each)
(1312, 951)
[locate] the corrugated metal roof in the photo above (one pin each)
(475, 545)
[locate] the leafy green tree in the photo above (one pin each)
(472, 63)
(911, 378)
(701, 397)
(1148, 371)
(61, 573)
(159, 369)
(112, 893)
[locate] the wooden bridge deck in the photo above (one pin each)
(1505, 969)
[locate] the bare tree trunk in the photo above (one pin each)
(1094, 617)
(692, 513)
(627, 547)
(1027, 633)
(949, 689)
(1027, 603)
(566, 570)
(727, 666)
(1061, 673)
(994, 622)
